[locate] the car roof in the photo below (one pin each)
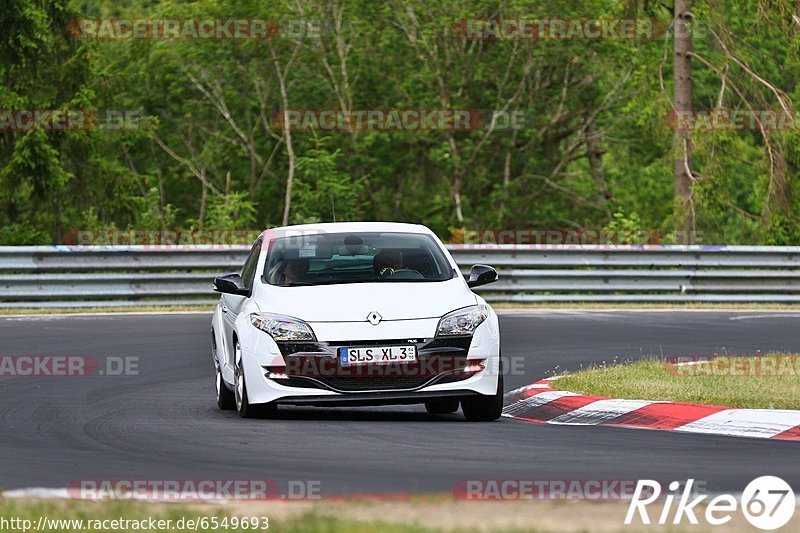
(346, 227)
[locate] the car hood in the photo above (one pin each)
(352, 302)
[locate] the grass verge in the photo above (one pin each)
(70, 516)
(414, 515)
(766, 382)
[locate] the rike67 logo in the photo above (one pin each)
(768, 503)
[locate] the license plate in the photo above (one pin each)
(377, 355)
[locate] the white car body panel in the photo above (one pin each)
(352, 302)
(338, 312)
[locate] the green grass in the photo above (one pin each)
(420, 513)
(766, 382)
(308, 521)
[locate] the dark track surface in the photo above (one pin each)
(164, 424)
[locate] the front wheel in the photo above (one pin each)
(485, 408)
(243, 405)
(225, 397)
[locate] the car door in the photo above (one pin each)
(233, 303)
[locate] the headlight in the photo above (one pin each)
(282, 328)
(462, 321)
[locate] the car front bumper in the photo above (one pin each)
(310, 374)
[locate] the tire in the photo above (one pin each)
(225, 397)
(242, 404)
(444, 406)
(485, 408)
(226, 400)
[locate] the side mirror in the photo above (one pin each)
(231, 284)
(482, 275)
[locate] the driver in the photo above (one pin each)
(387, 262)
(290, 271)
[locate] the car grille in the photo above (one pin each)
(371, 383)
(437, 345)
(315, 365)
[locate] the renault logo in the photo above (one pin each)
(374, 318)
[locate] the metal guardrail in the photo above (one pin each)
(84, 276)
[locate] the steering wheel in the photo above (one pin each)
(405, 273)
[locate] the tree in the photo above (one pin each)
(683, 91)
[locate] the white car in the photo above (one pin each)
(361, 313)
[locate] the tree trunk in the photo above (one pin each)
(287, 136)
(501, 218)
(161, 201)
(457, 184)
(684, 208)
(203, 200)
(779, 195)
(594, 153)
(59, 228)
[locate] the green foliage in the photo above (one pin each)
(782, 230)
(626, 229)
(16, 234)
(210, 125)
(150, 215)
(323, 192)
(230, 212)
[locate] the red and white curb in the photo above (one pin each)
(541, 403)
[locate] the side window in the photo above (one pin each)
(249, 268)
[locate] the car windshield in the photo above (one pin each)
(332, 258)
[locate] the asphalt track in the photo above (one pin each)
(163, 424)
